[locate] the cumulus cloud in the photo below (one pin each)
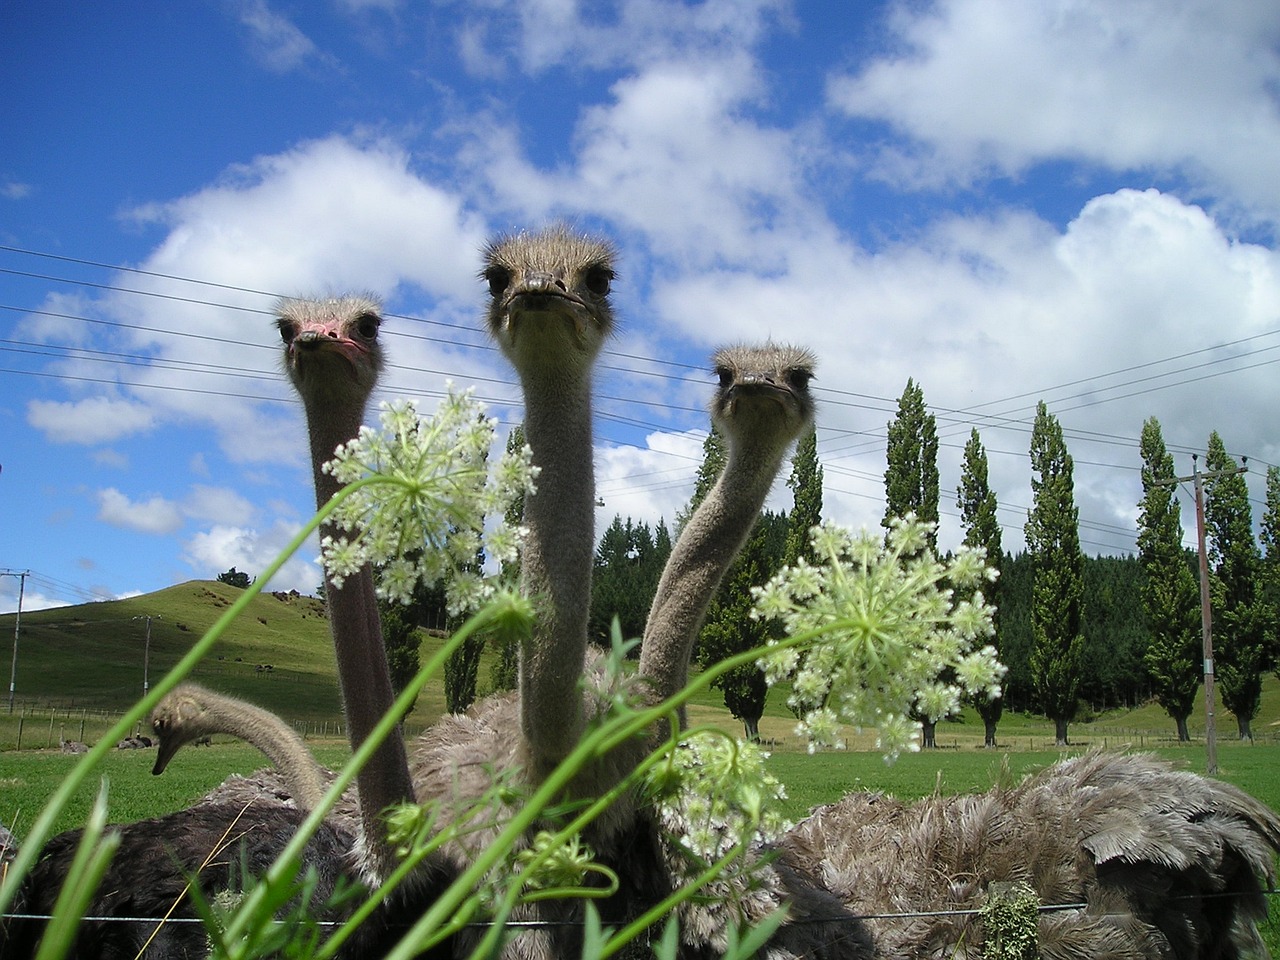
(985, 87)
(221, 547)
(155, 516)
(89, 421)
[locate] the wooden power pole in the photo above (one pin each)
(1206, 613)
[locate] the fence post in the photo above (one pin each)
(21, 720)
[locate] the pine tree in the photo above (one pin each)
(806, 486)
(1240, 621)
(911, 479)
(977, 503)
(1053, 541)
(1170, 596)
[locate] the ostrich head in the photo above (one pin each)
(318, 334)
(558, 280)
(179, 719)
(763, 391)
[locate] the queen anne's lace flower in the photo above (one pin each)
(884, 631)
(420, 488)
(719, 793)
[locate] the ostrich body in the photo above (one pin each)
(333, 358)
(189, 712)
(1164, 863)
(761, 406)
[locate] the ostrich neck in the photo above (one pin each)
(556, 566)
(709, 543)
(280, 742)
(363, 676)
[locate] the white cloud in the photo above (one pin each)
(12, 190)
(985, 86)
(221, 547)
(274, 40)
(110, 458)
(647, 483)
(541, 34)
(218, 503)
(155, 516)
(89, 421)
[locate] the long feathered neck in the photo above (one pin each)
(363, 675)
(275, 738)
(708, 545)
(557, 558)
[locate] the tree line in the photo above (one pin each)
(1077, 633)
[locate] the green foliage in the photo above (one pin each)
(911, 479)
(729, 628)
(1053, 541)
(235, 578)
(400, 637)
(806, 487)
(1269, 537)
(1241, 622)
(977, 503)
(628, 563)
(714, 457)
(1170, 596)
(1010, 922)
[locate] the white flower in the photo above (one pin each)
(418, 492)
(879, 628)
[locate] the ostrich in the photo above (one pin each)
(189, 712)
(333, 358)
(1163, 863)
(762, 404)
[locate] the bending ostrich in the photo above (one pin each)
(333, 358)
(1164, 863)
(189, 712)
(761, 406)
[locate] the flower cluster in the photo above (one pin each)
(886, 635)
(419, 490)
(717, 793)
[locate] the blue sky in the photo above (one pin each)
(1072, 200)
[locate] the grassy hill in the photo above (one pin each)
(88, 659)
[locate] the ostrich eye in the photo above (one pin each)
(287, 330)
(726, 377)
(799, 379)
(367, 326)
(499, 279)
(598, 279)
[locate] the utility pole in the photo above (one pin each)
(146, 655)
(1206, 613)
(17, 625)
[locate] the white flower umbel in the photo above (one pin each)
(881, 630)
(716, 788)
(416, 492)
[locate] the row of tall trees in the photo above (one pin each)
(1104, 631)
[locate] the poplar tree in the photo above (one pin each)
(806, 487)
(1270, 540)
(977, 503)
(1170, 595)
(911, 486)
(911, 479)
(1053, 543)
(1240, 622)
